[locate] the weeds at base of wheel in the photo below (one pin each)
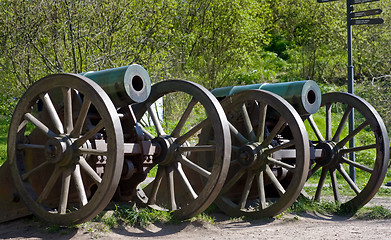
(203, 217)
(237, 219)
(303, 204)
(373, 213)
(133, 216)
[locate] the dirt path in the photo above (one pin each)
(308, 226)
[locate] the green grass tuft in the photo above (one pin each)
(134, 216)
(303, 204)
(203, 217)
(373, 212)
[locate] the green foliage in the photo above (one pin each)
(215, 43)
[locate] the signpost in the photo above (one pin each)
(367, 21)
(361, 1)
(354, 18)
(366, 13)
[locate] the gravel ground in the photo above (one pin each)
(307, 226)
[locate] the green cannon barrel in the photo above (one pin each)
(305, 96)
(124, 85)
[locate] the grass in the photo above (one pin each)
(303, 205)
(373, 212)
(133, 216)
(4, 124)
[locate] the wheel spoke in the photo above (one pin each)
(89, 170)
(228, 185)
(90, 134)
(348, 179)
(334, 184)
(352, 134)
(198, 148)
(185, 181)
(342, 123)
(315, 129)
(76, 174)
(171, 188)
(313, 170)
(320, 184)
(28, 174)
(281, 164)
(262, 122)
(52, 113)
(148, 134)
(65, 183)
(155, 120)
(194, 166)
(237, 134)
(261, 190)
(280, 147)
(156, 185)
(50, 184)
(68, 116)
(42, 127)
(22, 125)
(76, 132)
(247, 123)
(176, 132)
(246, 190)
(357, 165)
(357, 149)
(328, 121)
(29, 146)
(92, 151)
(180, 140)
(275, 181)
(274, 132)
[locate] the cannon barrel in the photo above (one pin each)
(305, 96)
(124, 85)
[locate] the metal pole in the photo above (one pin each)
(350, 9)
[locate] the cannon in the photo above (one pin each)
(78, 141)
(75, 144)
(274, 153)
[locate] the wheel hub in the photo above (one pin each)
(167, 150)
(329, 154)
(59, 150)
(251, 155)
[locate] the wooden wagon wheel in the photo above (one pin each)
(371, 150)
(270, 155)
(183, 184)
(65, 148)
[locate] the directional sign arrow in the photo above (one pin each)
(362, 1)
(366, 13)
(367, 21)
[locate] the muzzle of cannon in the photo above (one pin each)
(304, 96)
(124, 85)
(75, 143)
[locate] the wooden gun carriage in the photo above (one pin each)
(78, 141)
